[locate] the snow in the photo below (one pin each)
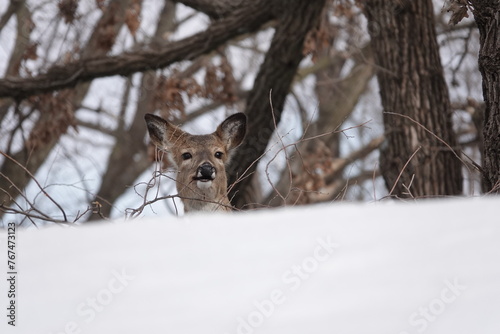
(383, 267)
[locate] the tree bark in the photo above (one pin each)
(295, 19)
(487, 16)
(413, 162)
(216, 9)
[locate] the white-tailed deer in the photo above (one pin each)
(200, 160)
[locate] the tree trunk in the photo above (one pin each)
(23, 14)
(57, 110)
(317, 164)
(413, 161)
(128, 158)
(296, 18)
(487, 16)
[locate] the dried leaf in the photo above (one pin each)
(57, 115)
(108, 27)
(459, 10)
(228, 82)
(220, 84)
(106, 38)
(168, 96)
(30, 52)
(310, 179)
(318, 39)
(132, 17)
(100, 4)
(210, 81)
(67, 10)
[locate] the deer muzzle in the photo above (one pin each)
(205, 172)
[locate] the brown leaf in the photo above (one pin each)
(228, 81)
(30, 52)
(67, 9)
(168, 96)
(210, 81)
(132, 17)
(100, 4)
(57, 114)
(220, 84)
(318, 39)
(459, 10)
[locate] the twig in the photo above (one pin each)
(28, 214)
(402, 170)
(289, 168)
(373, 182)
(409, 187)
(31, 205)
(37, 183)
(432, 134)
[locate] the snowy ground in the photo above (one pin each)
(388, 268)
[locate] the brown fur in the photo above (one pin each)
(211, 151)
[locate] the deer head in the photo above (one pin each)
(200, 159)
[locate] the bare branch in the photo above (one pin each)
(37, 183)
(243, 20)
(402, 170)
(435, 136)
(13, 7)
(277, 72)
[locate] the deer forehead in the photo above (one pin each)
(199, 144)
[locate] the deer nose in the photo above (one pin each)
(206, 171)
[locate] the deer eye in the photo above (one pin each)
(219, 155)
(186, 156)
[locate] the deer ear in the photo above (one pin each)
(162, 133)
(232, 130)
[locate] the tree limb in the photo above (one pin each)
(243, 20)
(276, 73)
(213, 8)
(13, 7)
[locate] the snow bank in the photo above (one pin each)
(387, 268)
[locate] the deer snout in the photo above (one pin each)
(205, 172)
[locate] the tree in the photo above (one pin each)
(56, 111)
(80, 76)
(488, 22)
(276, 74)
(419, 156)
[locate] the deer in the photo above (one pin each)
(200, 160)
